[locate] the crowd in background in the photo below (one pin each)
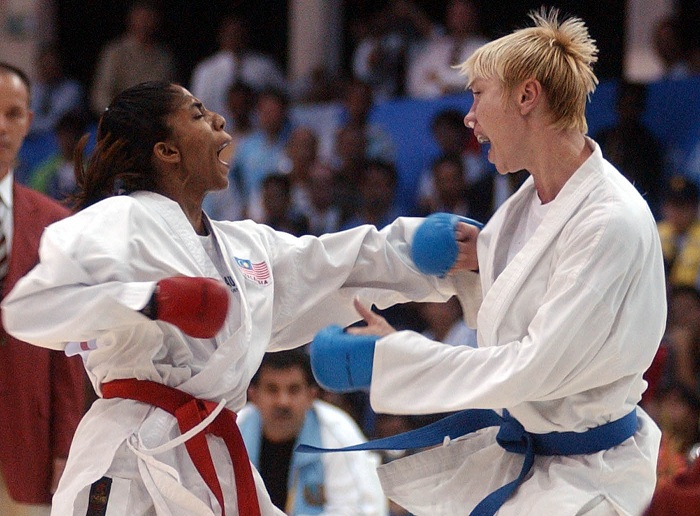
(295, 179)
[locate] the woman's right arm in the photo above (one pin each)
(60, 301)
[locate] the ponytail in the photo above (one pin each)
(122, 160)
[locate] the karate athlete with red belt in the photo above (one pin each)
(174, 311)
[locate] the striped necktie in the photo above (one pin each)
(3, 245)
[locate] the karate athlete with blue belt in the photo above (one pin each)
(569, 311)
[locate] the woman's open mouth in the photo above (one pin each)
(225, 153)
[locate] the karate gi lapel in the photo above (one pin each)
(181, 229)
(215, 379)
(499, 292)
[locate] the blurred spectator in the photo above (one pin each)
(396, 31)
(55, 176)
(135, 57)
(284, 411)
(378, 184)
(485, 189)
(233, 63)
(679, 417)
(449, 192)
(300, 156)
(263, 149)
(680, 496)
(445, 323)
(278, 211)
(349, 149)
(227, 204)
(319, 85)
(631, 147)
(682, 364)
(241, 104)
(257, 154)
(679, 229)
(670, 48)
(53, 93)
(358, 102)
(321, 212)
(431, 73)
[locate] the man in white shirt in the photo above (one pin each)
(233, 62)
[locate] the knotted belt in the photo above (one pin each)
(189, 412)
(511, 436)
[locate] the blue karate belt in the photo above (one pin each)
(511, 436)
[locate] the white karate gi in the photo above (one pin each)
(98, 267)
(565, 333)
(350, 483)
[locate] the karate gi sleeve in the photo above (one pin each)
(600, 319)
(317, 278)
(64, 298)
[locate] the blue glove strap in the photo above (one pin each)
(434, 247)
(342, 362)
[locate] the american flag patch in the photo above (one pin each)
(257, 272)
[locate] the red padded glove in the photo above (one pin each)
(198, 306)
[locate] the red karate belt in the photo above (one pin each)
(189, 412)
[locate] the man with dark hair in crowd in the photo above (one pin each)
(285, 411)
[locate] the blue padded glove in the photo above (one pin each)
(342, 362)
(434, 248)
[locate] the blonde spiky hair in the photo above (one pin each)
(559, 54)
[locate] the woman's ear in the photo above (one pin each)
(166, 152)
(529, 95)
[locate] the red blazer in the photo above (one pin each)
(42, 392)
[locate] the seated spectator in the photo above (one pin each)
(679, 417)
(391, 34)
(256, 155)
(319, 85)
(670, 48)
(445, 323)
(679, 229)
(432, 72)
(136, 56)
(285, 411)
(449, 191)
(262, 150)
(321, 212)
(377, 189)
(55, 176)
(677, 362)
(53, 93)
(631, 147)
(680, 496)
(682, 339)
(485, 189)
(240, 103)
(300, 156)
(278, 211)
(348, 166)
(234, 62)
(358, 102)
